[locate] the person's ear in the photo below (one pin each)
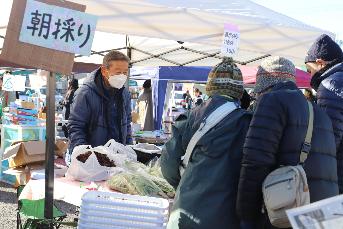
(104, 70)
(321, 63)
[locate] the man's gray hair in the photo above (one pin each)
(113, 56)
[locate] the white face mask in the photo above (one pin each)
(117, 81)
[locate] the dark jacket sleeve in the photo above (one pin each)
(332, 104)
(129, 140)
(79, 119)
(259, 155)
(173, 151)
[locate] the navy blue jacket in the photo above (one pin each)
(330, 98)
(94, 113)
(275, 137)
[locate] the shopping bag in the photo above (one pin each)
(118, 148)
(90, 170)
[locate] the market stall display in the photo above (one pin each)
(151, 137)
(25, 160)
(116, 164)
(15, 133)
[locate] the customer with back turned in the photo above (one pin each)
(202, 160)
(281, 134)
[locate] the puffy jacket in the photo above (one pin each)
(330, 98)
(93, 114)
(275, 137)
(206, 194)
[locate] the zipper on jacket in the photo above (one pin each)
(278, 182)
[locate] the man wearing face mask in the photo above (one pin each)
(324, 62)
(102, 106)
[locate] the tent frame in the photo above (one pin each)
(130, 48)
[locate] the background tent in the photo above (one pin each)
(189, 32)
(162, 75)
(303, 79)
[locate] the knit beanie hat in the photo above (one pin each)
(324, 48)
(274, 70)
(225, 79)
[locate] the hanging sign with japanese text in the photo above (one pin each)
(230, 40)
(58, 28)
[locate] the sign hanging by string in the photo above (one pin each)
(230, 40)
(13, 83)
(58, 28)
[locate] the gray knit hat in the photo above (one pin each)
(274, 70)
(225, 79)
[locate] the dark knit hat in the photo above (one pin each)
(324, 48)
(274, 70)
(225, 79)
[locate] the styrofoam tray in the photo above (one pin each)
(147, 148)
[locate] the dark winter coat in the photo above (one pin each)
(95, 115)
(330, 98)
(275, 137)
(67, 103)
(206, 194)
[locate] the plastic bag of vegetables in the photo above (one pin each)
(164, 186)
(135, 184)
(135, 167)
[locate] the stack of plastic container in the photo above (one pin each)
(116, 210)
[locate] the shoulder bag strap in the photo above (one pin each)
(212, 120)
(308, 139)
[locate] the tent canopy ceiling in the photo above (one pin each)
(155, 26)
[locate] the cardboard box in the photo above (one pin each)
(61, 148)
(42, 115)
(23, 153)
(20, 176)
(135, 117)
(25, 105)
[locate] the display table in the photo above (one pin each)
(65, 189)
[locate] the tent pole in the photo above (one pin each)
(50, 148)
(129, 55)
(255, 59)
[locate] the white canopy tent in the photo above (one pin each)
(149, 31)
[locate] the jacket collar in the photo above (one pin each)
(289, 85)
(319, 77)
(95, 82)
(333, 70)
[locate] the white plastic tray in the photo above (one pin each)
(116, 210)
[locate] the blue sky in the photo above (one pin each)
(325, 14)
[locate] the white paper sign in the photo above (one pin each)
(58, 28)
(13, 83)
(324, 214)
(230, 40)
